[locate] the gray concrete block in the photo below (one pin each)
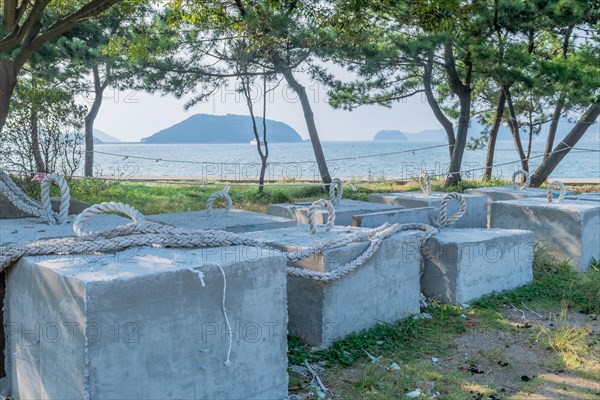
(568, 230)
(585, 197)
(475, 217)
(504, 193)
(344, 211)
(9, 211)
(464, 264)
(30, 229)
(424, 215)
(143, 325)
(384, 289)
(236, 221)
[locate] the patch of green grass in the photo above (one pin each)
(562, 337)
(555, 284)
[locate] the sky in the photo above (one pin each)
(131, 116)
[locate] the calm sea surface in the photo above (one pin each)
(296, 161)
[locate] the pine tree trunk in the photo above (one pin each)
(514, 129)
(489, 160)
(308, 117)
(89, 123)
(8, 82)
(562, 149)
(461, 139)
(40, 166)
(554, 126)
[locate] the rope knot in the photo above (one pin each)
(335, 191)
(562, 191)
(223, 194)
(443, 221)
(425, 183)
(526, 180)
(312, 210)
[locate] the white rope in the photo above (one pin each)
(425, 183)
(336, 190)
(318, 206)
(562, 191)
(229, 330)
(23, 202)
(101, 208)
(65, 197)
(526, 177)
(223, 194)
(376, 238)
(443, 221)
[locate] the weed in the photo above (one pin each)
(564, 338)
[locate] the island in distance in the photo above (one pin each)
(230, 128)
(389, 136)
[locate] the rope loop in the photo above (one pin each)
(20, 200)
(562, 191)
(101, 208)
(223, 194)
(65, 197)
(336, 190)
(312, 210)
(525, 176)
(425, 183)
(443, 221)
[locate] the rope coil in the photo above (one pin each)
(562, 191)
(443, 221)
(526, 177)
(336, 190)
(101, 208)
(223, 194)
(65, 197)
(317, 206)
(425, 183)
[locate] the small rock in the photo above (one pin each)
(379, 342)
(434, 359)
(393, 367)
(426, 386)
(463, 316)
(414, 394)
(316, 349)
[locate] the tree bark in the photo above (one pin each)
(514, 128)
(554, 125)
(562, 149)
(89, 122)
(489, 159)
(463, 92)
(8, 82)
(287, 73)
(40, 166)
(435, 107)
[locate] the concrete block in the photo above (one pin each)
(148, 325)
(503, 193)
(30, 229)
(423, 215)
(10, 211)
(235, 221)
(475, 217)
(384, 289)
(462, 265)
(585, 197)
(568, 229)
(344, 211)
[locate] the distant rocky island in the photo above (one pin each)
(389, 136)
(230, 128)
(103, 137)
(439, 135)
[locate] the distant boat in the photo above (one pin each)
(253, 142)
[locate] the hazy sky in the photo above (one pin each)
(131, 116)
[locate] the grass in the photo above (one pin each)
(153, 198)
(561, 341)
(560, 344)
